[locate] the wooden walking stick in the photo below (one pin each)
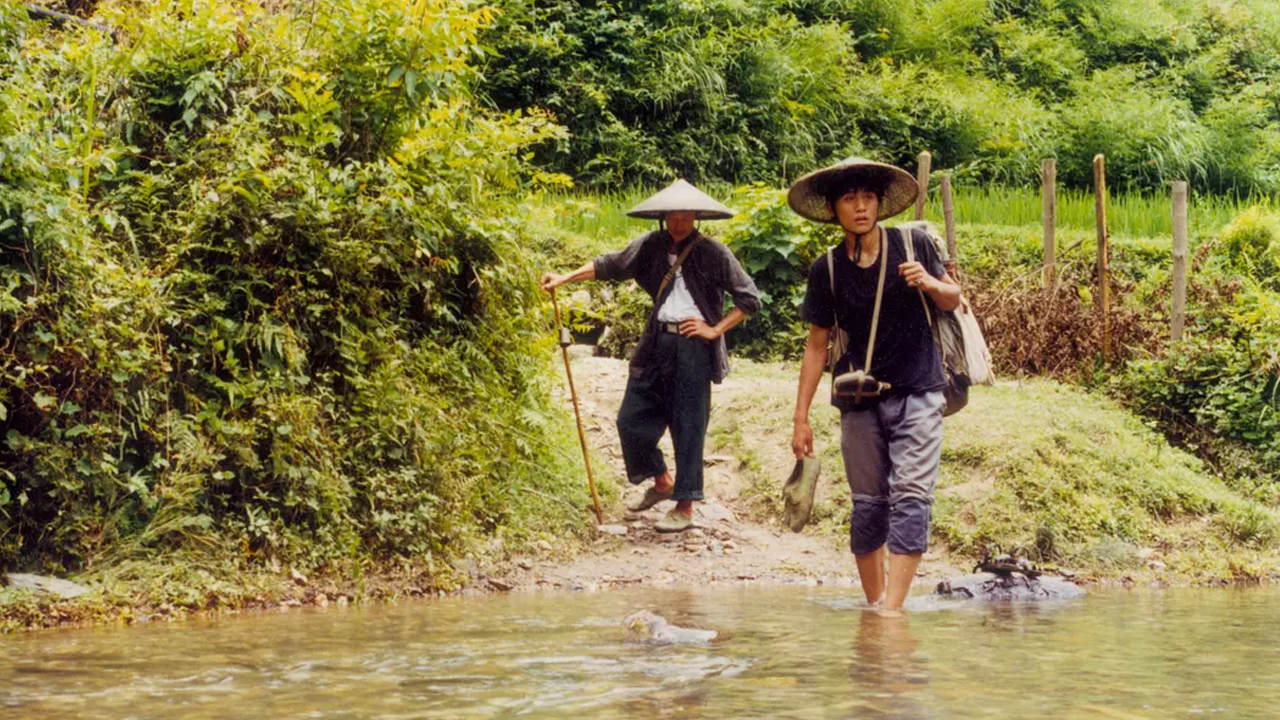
(565, 341)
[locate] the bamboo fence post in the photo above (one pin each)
(949, 220)
(1049, 216)
(1104, 250)
(923, 162)
(1179, 258)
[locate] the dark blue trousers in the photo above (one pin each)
(673, 392)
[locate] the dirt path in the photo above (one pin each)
(733, 541)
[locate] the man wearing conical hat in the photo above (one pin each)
(682, 350)
(891, 410)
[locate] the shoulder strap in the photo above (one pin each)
(831, 276)
(875, 311)
(907, 243)
(671, 273)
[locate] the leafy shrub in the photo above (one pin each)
(1221, 387)
(776, 248)
(260, 292)
(1251, 244)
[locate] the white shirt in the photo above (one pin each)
(679, 305)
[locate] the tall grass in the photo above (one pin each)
(1132, 214)
(603, 216)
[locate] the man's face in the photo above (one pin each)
(680, 224)
(857, 210)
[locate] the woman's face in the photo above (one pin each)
(857, 210)
(679, 224)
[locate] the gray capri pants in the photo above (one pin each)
(891, 453)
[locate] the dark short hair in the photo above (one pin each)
(848, 182)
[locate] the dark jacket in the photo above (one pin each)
(710, 271)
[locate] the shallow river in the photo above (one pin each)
(783, 652)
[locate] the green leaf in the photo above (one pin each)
(44, 401)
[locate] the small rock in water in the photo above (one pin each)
(50, 585)
(646, 626)
(500, 585)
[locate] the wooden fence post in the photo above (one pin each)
(1179, 258)
(949, 220)
(1104, 250)
(923, 162)
(1049, 216)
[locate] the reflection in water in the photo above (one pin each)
(784, 652)
(886, 671)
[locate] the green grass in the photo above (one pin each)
(1067, 475)
(602, 217)
(1132, 214)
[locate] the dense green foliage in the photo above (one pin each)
(258, 291)
(1219, 390)
(766, 89)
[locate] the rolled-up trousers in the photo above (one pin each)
(673, 392)
(891, 453)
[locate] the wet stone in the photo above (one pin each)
(50, 585)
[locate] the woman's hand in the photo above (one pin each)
(551, 280)
(694, 327)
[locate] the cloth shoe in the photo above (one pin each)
(673, 522)
(797, 493)
(651, 497)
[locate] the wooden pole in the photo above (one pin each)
(1049, 216)
(949, 219)
(923, 162)
(1179, 258)
(573, 393)
(1104, 250)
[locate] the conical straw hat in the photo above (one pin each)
(808, 195)
(680, 196)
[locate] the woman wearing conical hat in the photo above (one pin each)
(682, 350)
(891, 416)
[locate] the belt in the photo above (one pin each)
(669, 327)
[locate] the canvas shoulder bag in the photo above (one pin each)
(948, 338)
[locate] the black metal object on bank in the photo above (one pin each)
(58, 19)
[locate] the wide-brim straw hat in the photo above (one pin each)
(680, 196)
(808, 195)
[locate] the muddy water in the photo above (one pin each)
(784, 652)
